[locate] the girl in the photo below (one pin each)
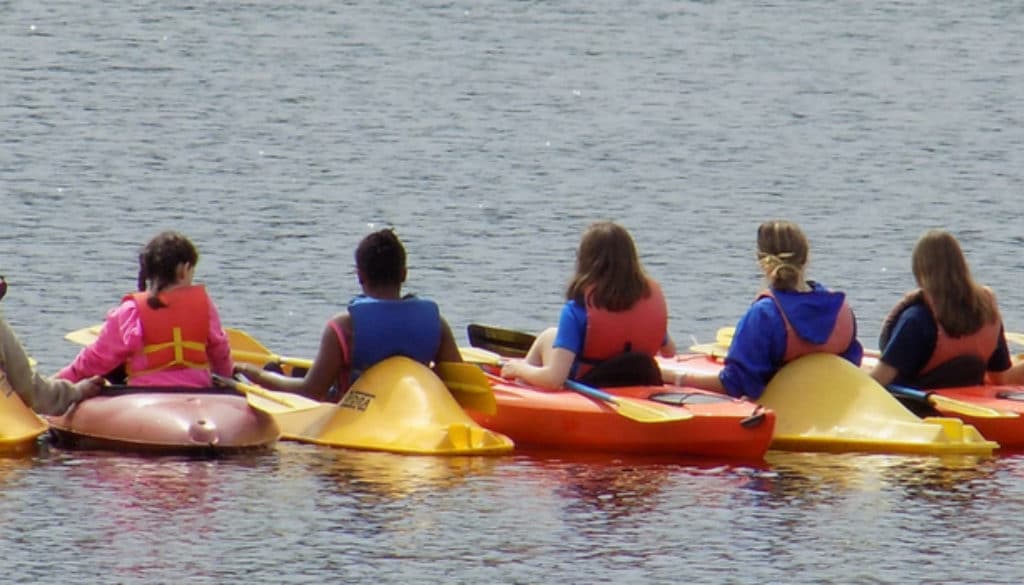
(378, 324)
(612, 308)
(791, 318)
(948, 332)
(167, 334)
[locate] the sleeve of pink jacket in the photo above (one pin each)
(218, 348)
(120, 335)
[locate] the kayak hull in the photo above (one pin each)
(164, 420)
(567, 420)
(824, 403)
(398, 405)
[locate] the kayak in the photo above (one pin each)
(1008, 430)
(398, 405)
(825, 403)
(20, 426)
(164, 420)
(680, 422)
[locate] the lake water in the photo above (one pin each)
(491, 134)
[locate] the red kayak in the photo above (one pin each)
(164, 419)
(674, 421)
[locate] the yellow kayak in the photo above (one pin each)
(824, 403)
(20, 426)
(398, 405)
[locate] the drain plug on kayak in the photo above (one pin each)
(204, 432)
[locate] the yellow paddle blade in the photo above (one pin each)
(19, 424)
(961, 407)
(1015, 338)
(712, 349)
(724, 335)
(469, 386)
(632, 408)
(477, 355)
(84, 336)
(824, 403)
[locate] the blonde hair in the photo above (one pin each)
(782, 252)
(608, 271)
(960, 304)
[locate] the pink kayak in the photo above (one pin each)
(164, 419)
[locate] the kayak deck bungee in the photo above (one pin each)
(398, 405)
(164, 420)
(20, 426)
(712, 425)
(824, 403)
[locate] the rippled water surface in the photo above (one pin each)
(490, 134)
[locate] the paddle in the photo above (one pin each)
(293, 402)
(632, 408)
(947, 404)
(505, 342)
(246, 348)
(469, 385)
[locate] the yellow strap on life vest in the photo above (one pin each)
(179, 346)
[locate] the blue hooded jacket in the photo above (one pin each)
(759, 343)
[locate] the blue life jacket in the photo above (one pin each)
(385, 328)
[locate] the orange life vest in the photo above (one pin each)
(174, 337)
(981, 344)
(838, 341)
(640, 328)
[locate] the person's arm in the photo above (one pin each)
(1000, 366)
(910, 346)
(218, 348)
(754, 355)
(551, 375)
(559, 358)
(318, 380)
(448, 351)
(121, 331)
(41, 394)
(1015, 375)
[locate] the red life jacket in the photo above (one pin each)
(981, 344)
(640, 328)
(174, 337)
(838, 341)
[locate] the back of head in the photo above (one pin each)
(941, 271)
(159, 261)
(608, 269)
(380, 259)
(782, 252)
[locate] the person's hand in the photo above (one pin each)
(90, 387)
(250, 371)
(510, 371)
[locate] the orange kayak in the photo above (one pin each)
(164, 419)
(696, 423)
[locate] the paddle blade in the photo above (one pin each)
(84, 336)
(469, 386)
(242, 341)
(505, 342)
(952, 405)
(480, 356)
(632, 408)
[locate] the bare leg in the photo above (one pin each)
(540, 351)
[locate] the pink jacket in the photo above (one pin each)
(120, 341)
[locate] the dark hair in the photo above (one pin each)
(380, 258)
(608, 271)
(159, 261)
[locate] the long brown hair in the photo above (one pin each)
(961, 305)
(782, 252)
(608, 271)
